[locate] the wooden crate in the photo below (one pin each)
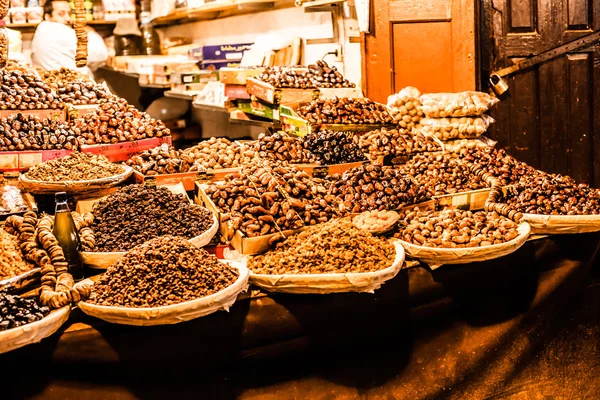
(273, 95)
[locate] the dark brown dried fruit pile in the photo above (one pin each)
(25, 91)
(282, 147)
(334, 247)
(345, 111)
(395, 142)
(328, 77)
(333, 147)
(286, 78)
(498, 163)
(372, 187)
(16, 311)
(82, 92)
(164, 271)
(163, 159)
(137, 213)
(28, 132)
(74, 167)
(117, 121)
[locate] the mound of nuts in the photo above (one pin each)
(345, 111)
(219, 153)
(282, 147)
(455, 128)
(334, 247)
(405, 107)
(440, 174)
(330, 147)
(163, 159)
(384, 142)
(376, 221)
(372, 187)
(463, 104)
(271, 197)
(325, 76)
(452, 228)
(117, 121)
(12, 261)
(164, 271)
(137, 213)
(553, 194)
(74, 167)
(28, 132)
(25, 91)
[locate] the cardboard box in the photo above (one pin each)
(154, 79)
(225, 52)
(23, 160)
(187, 78)
(216, 65)
(236, 92)
(270, 94)
(178, 66)
(125, 150)
(238, 75)
(258, 108)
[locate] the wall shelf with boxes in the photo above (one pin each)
(216, 10)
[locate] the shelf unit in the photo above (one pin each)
(35, 24)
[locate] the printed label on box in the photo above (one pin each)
(9, 161)
(28, 160)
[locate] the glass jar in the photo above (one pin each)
(3, 44)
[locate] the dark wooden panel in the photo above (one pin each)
(553, 116)
(579, 14)
(522, 15)
(524, 136)
(580, 117)
(595, 87)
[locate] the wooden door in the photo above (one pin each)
(550, 117)
(429, 44)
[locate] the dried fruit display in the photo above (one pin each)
(345, 111)
(25, 91)
(11, 200)
(163, 159)
(334, 247)
(372, 187)
(272, 197)
(117, 121)
(282, 147)
(16, 311)
(331, 147)
(499, 164)
(325, 76)
(452, 228)
(463, 104)
(384, 142)
(439, 174)
(82, 92)
(164, 271)
(219, 153)
(28, 132)
(64, 75)
(12, 262)
(376, 221)
(405, 107)
(137, 213)
(286, 78)
(74, 167)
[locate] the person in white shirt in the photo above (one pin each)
(54, 42)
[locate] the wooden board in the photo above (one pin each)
(125, 150)
(273, 95)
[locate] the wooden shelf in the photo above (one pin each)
(217, 10)
(35, 24)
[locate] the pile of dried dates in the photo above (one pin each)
(331, 147)
(28, 132)
(25, 91)
(282, 147)
(384, 142)
(16, 311)
(345, 111)
(219, 153)
(163, 159)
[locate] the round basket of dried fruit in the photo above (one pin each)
(459, 237)
(135, 290)
(333, 257)
(75, 173)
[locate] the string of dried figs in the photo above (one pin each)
(16, 311)
(219, 153)
(40, 247)
(372, 187)
(25, 91)
(345, 111)
(325, 76)
(282, 147)
(164, 271)
(272, 197)
(331, 147)
(3, 47)
(452, 228)
(137, 213)
(80, 32)
(498, 163)
(12, 262)
(383, 142)
(74, 167)
(439, 174)
(406, 108)
(29, 132)
(163, 159)
(336, 246)
(553, 194)
(117, 121)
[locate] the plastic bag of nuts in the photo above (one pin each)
(455, 128)
(463, 104)
(405, 107)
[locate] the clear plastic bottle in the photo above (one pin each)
(3, 44)
(67, 236)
